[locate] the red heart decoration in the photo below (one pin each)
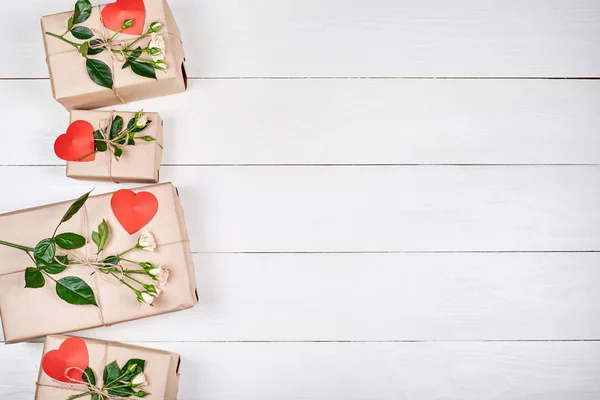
(76, 143)
(133, 211)
(114, 14)
(72, 353)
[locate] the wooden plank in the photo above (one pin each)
(363, 209)
(341, 122)
(377, 297)
(361, 371)
(366, 38)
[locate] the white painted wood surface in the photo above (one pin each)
(356, 235)
(367, 38)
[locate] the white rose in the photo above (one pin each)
(157, 42)
(147, 241)
(145, 298)
(161, 274)
(142, 121)
(139, 380)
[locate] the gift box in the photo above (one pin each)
(131, 156)
(104, 56)
(84, 276)
(84, 367)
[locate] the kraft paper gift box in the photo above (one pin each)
(139, 163)
(29, 313)
(73, 87)
(161, 368)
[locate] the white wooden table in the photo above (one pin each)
(387, 199)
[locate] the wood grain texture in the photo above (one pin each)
(366, 38)
(363, 209)
(382, 297)
(360, 371)
(341, 122)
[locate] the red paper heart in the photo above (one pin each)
(114, 14)
(76, 143)
(133, 211)
(72, 353)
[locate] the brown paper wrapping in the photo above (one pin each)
(161, 369)
(139, 163)
(73, 88)
(30, 313)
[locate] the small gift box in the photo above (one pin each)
(88, 263)
(75, 367)
(113, 146)
(117, 53)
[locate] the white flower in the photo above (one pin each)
(142, 121)
(139, 380)
(157, 43)
(147, 241)
(145, 298)
(161, 274)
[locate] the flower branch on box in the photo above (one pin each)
(117, 382)
(93, 44)
(48, 262)
(114, 137)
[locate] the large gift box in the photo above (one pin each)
(73, 366)
(131, 156)
(115, 257)
(117, 53)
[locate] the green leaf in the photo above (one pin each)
(74, 290)
(84, 48)
(143, 69)
(75, 207)
(89, 376)
(132, 57)
(118, 151)
(70, 22)
(96, 396)
(139, 368)
(101, 236)
(34, 278)
(99, 72)
(83, 9)
(116, 127)
(99, 143)
(44, 251)
(111, 373)
(58, 265)
(95, 50)
(114, 260)
(82, 33)
(70, 241)
(122, 392)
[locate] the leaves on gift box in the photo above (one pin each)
(34, 278)
(117, 151)
(99, 72)
(84, 48)
(101, 236)
(114, 260)
(82, 32)
(75, 207)
(143, 69)
(56, 266)
(116, 127)
(82, 11)
(92, 51)
(89, 376)
(99, 143)
(74, 290)
(111, 373)
(122, 392)
(70, 241)
(44, 251)
(132, 57)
